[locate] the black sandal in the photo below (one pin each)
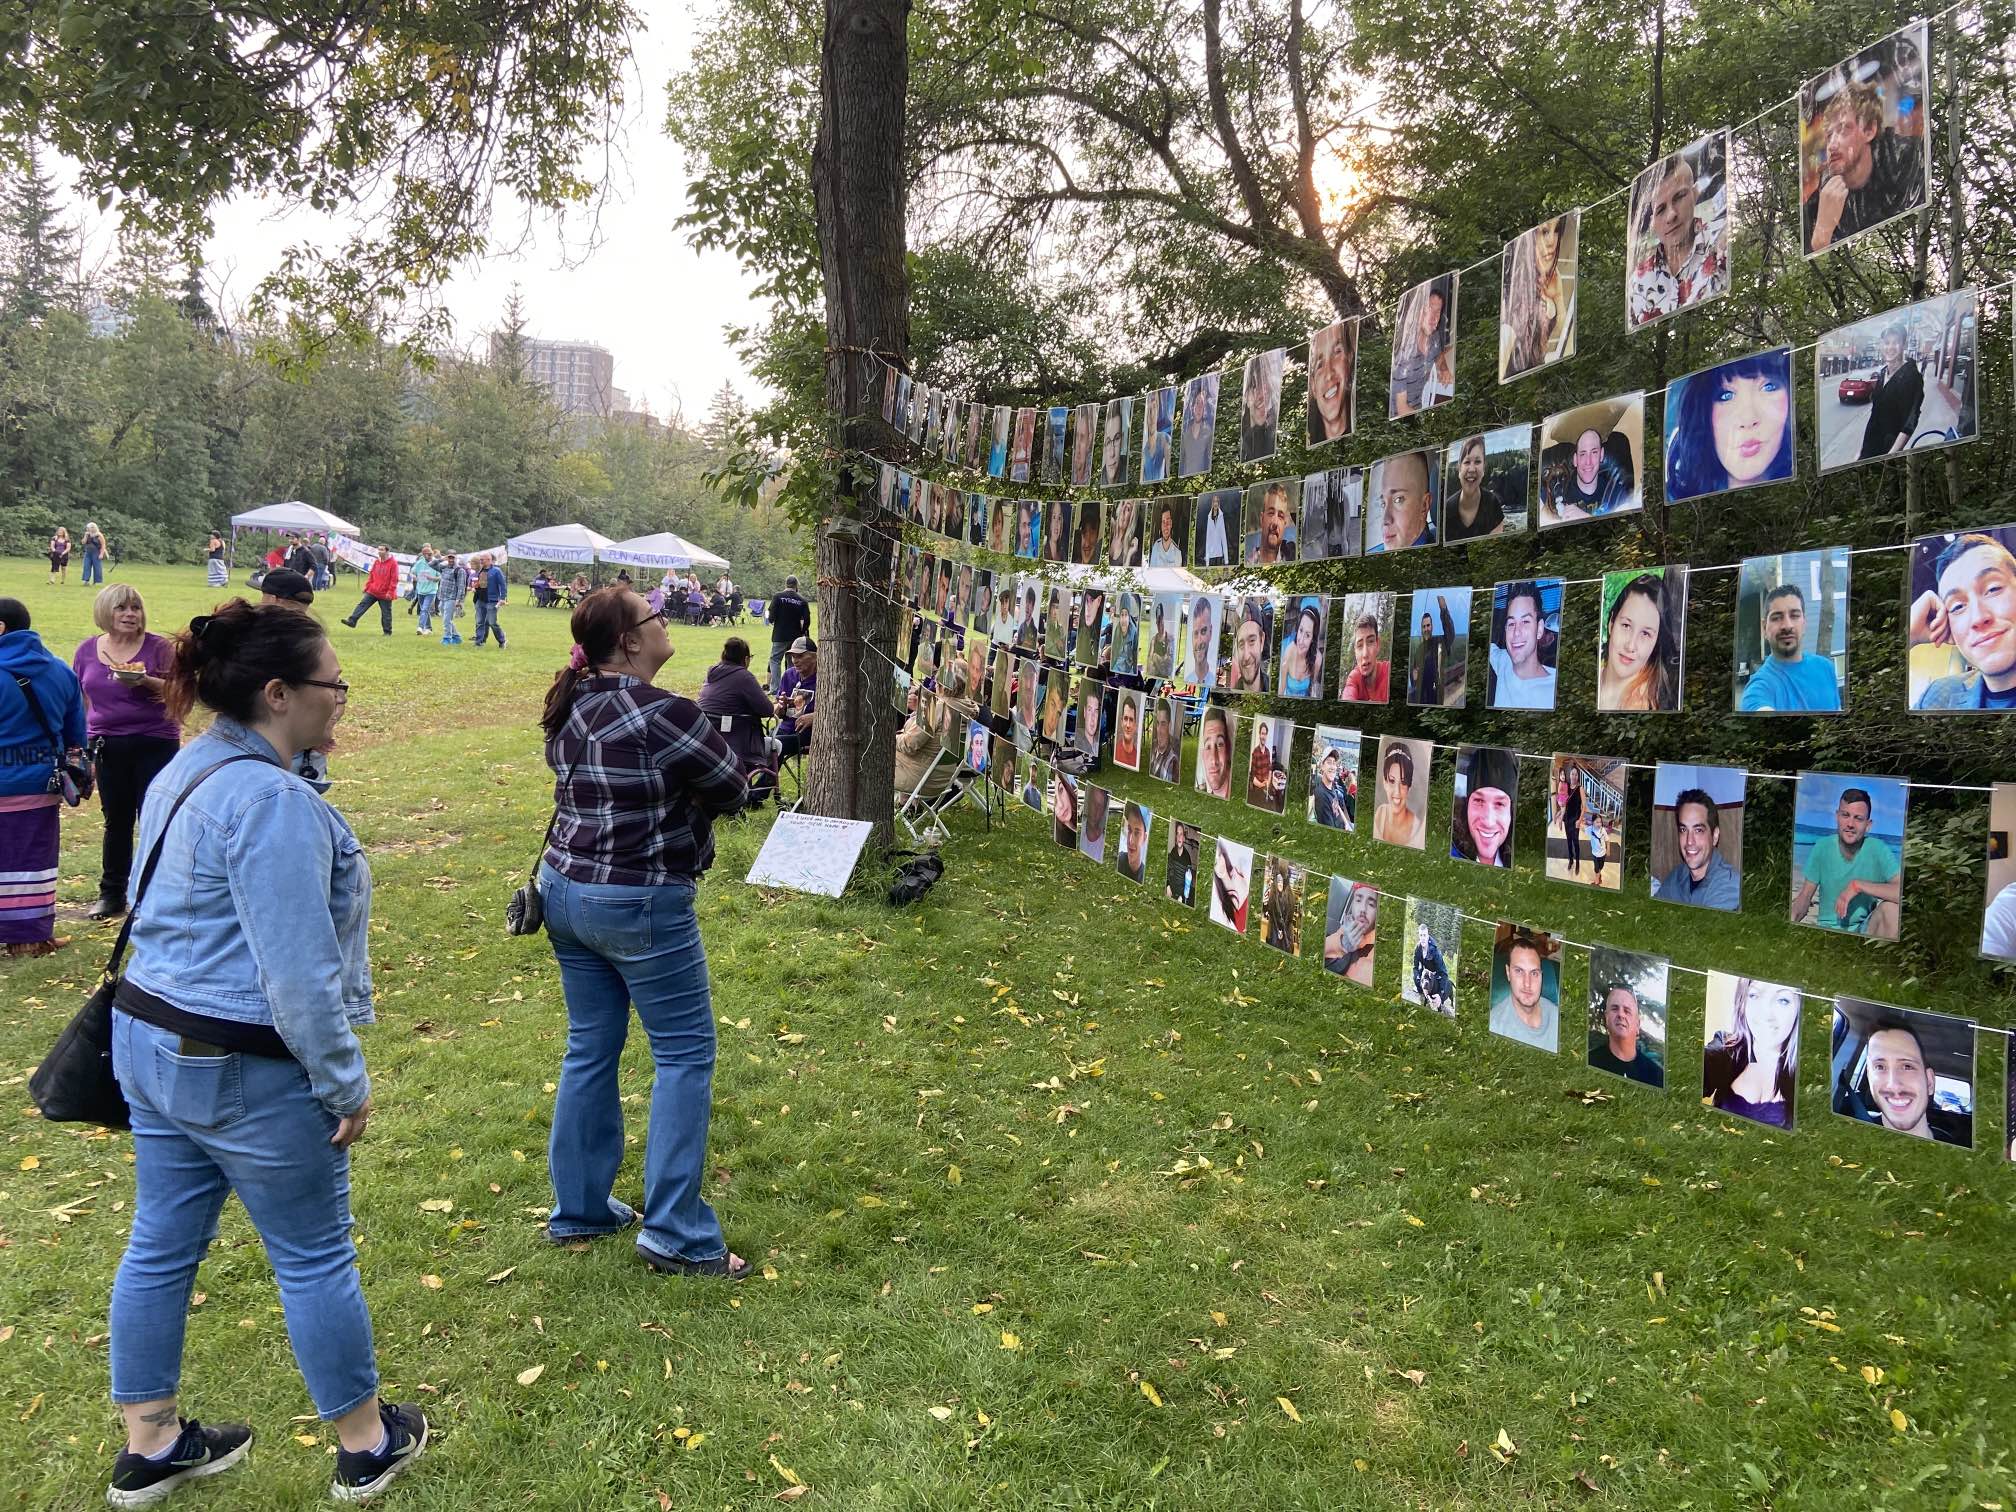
(672, 1265)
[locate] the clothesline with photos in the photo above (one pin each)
(1865, 161)
(1905, 1069)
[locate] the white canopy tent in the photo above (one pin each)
(662, 549)
(292, 515)
(1142, 579)
(559, 543)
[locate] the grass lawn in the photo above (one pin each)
(1064, 1198)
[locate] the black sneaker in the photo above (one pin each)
(138, 1481)
(359, 1477)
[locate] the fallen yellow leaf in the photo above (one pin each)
(696, 1441)
(1898, 1420)
(1289, 1408)
(940, 1413)
(870, 1201)
(1009, 1341)
(31, 1162)
(952, 1176)
(982, 1307)
(1217, 1320)
(1154, 1397)
(432, 1283)
(790, 1475)
(527, 1377)
(438, 1205)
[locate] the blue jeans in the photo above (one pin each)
(486, 622)
(425, 601)
(619, 945)
(94, 568)
(204, 1128)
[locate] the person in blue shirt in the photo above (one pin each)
(490, 590)
(1789, 681)
(1704, 876)
(42, 726)
(1852, 873)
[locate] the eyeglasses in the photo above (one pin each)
(340, 689)
(664, 616)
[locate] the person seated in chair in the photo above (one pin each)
(577, 589)
(796, 694)
(544, 594)
(735, 703)
(917, 743)
(696, 604)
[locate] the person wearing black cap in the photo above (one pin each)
(795, 696)
(790, 619)
(283, 585)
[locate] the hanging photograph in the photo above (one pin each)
(1123, 533)
(891, 382)
(1158, 435)
(1117, 432)
(1697, 835)
(1168, 528)
(1084, 437)
(1130, 857)
(1525, 643)
(1486, 803)
(1585, 820)
(998, 440)
(1165, 629)
(1679, 230)
(1231, 884)
(1367, 637)
(1083, 545)
(1333, 778)
(1333, 369)
(1024, 446)
(905, 386)
(1001, 684)
(1536, 307)
(1627, 1014)
(1847, 845)
(1095, 803)
(1087, 725)
(1251, 643)
(1305, 628)
(1217, 533)
(1200, 423)
(1129, 716)
(1056, 705)
(1351, 930)
(1642, 640)
(1400, 502)
(1792, 633)
(1214, 753)
(1750, 1048)
(1431, 954)
(1282, 887)
(1123, 641)
(1423, 373)
(1165, 739)
(1267, 762)
(1865, 153)
(1730, 427)
(974, 416)
(1028, 700)
(1904, 1070)
(1526, 987)
(1333, 514)
(1592, 462)
(1058, 424)
(1484, 489)
(1260, 405)
(1904, 380)
(1400, 812)
(952, 520)
(1438, 660)
(1272, 509)
(1179, 876)
(1201, 631)
(1961, 623)
(1032, 786)
(1998, 916)
(1089, 650)
(978, 739)
(1060, 615)
(1064, 809)
(1000, 525)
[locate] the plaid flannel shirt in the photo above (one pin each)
(639, 775)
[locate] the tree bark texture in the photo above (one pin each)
(859, 196)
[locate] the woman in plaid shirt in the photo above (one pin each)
(639, 777)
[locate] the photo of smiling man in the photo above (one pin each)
(1697, 835)
(1592, 462)
(1525, 640)
(1245, 669)
(1904, 1070)
(1201, 631)
(1487, 798)
(1792, 632)
(1272, 507)
(1116, 433)
(1961, 626)
(1848, 832)
(1367, 619)
(1627, 1015)
(1333, 364)
(1214, 753)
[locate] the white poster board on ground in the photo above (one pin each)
(807, 853)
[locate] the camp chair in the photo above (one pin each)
(924, 817)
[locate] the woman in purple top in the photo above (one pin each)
(132, 732)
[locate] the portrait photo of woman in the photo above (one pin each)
(1423, 374)
(1730, 426)
(1400, 817)
(1644, 639)
(1750, 1059)
(1123, 534)
(1267, 763)
(1305, 625)
(1024, 444)
(1200, 423)
(1485, 483)
(1333, 514)
(1536, 321)
(997, 441)
(1231, 885)
(1333, 367)
(1064, 810)
(1084, 437)
(1158, 436)
(1281, 905)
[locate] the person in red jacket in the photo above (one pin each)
(381, 586)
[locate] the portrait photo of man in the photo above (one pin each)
(1792, 633)
(1084, 437)
(1432, 955)
(1179, 877)
(1368, 641)
(1271, 506)
(1864, 141)
(1961, 624)
(1333, 365)
(1117, 432)
(1904, 1070)
(1214, 753)
(1525, 637)
(1200, 423)
(1401, 497)
(1351, 930)
(1697, 835)
(1627, 1015)
(1526, 987)
(1333, 778)
(1132, 857)
(1847, 875)
(1998, 916)
(1203, 622)
(1260, 405)
(1592, 461)
(1438, 660)
(1267, 763)
(1245, 669)
(1679, 229)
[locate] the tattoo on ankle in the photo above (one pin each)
(160, 1417)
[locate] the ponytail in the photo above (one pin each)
(600, 622)
(225, 659)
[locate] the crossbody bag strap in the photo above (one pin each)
(154, 856)
(35, 707)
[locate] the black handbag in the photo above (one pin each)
(74, 1083)
(67, 778)
(525, 914)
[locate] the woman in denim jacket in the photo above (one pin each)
(234, 1041)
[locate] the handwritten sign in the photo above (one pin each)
(807, 853)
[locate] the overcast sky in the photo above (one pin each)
(643, 293)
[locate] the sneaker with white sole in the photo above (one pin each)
(138, 1481)
(361, 1476)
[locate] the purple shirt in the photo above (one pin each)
(112, 708)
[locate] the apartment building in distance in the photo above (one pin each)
(580, 375)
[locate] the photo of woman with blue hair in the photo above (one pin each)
(1731, 426)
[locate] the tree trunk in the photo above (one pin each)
(859, 194)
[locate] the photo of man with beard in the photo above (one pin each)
(1333, 365)
(1904, 1070)
(1252, 642)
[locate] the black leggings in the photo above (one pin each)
(126, 765)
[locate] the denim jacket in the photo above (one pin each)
(259, 910)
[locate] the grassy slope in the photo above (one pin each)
(964, 1126)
